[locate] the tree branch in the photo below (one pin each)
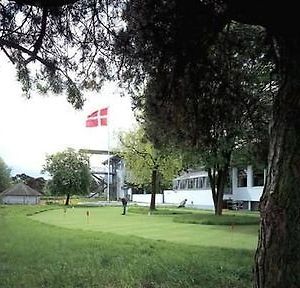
(140, 153)
(46, 3)
(38, 44)
(32, 55)
(39, 41)
(8, 56)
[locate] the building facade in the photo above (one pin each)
(20, 194)
(246, 187)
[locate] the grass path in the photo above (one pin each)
(109, 219)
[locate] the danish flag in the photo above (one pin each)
(97, 118)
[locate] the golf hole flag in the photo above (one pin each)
(97, 118)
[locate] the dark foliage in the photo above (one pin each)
(59, 48)
(35, 183)
(201, 85)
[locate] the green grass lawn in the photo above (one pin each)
(57, 249)
(156, 227)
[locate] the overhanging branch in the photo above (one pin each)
(39, 41)
(32, 54)
(46, 3)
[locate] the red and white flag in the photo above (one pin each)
(97, 118)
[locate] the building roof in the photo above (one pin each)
(192, 174)
(112, 158)
(20, 189)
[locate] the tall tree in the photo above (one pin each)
(147, 165)
(172, 44)
(213, 113)
(5, 180)
(70, 173)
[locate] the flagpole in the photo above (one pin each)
(108, 160)
(108, 156)
(100, 118)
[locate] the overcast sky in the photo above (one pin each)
(30, 129)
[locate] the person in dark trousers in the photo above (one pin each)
(124, 203)
(182, 204)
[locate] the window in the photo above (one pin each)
(176, 184)
(197, 183)
(202, 182)
(258, 177)
(207, 183)
(190, 183)
(242, 177)
(182, 184)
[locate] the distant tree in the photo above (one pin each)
(35, 183)
(70, 173)
(5, 180)
(147, 165)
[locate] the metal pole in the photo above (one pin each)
(108, 160)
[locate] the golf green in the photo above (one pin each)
(109, 219)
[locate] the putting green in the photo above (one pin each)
(109, 219)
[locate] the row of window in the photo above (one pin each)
(258, 177)
(203, 182)
(192, 183)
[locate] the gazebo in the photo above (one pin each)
(20, 194)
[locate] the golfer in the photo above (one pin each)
(124, 203)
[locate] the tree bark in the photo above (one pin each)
(67, 199)
(212, 180)
(154, 188)
(217, 189)
(220, 191)
(277, 259)
(217, 182)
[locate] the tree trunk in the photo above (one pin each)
(277, 259)
(218, 181)
(217, 190)
(154, 180)
(212, 181)
(67, 199)
(220, 191)
(222, 176)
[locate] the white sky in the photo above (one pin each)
(30, 129)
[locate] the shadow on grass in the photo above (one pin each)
(211, 219)
(189, 216)
(160, 211)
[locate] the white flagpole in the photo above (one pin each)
(108, 160)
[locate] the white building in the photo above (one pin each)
(246, 186)
(193, 186)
